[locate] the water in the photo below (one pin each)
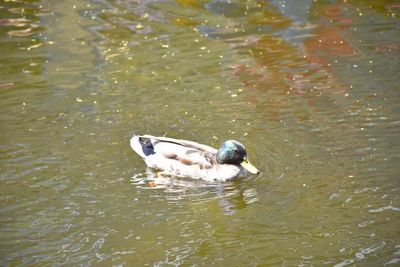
(310, 87)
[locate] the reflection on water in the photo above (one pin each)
(309, 86)
(230, 195)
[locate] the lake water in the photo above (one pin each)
(310, 87)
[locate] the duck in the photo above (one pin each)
(184, 158)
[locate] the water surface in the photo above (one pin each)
(311, 88)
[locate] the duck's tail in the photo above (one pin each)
(142, 146)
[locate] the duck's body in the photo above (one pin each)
(190, 159)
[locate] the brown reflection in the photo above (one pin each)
(17, 22)
(328, 41)
(296, 68)
(19, 37)
(21, 33)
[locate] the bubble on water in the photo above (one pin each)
(360, 256)
(363, 224)
(344, 263)
(98, 243)
(334, 196)
(393, 261)
(385, 208)
(373, 248)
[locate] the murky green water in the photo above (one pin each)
(311, 88)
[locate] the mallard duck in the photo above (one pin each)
(184, 158)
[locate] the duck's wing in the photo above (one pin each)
(177, 153)
(185, 143)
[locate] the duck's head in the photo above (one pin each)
(233, 152)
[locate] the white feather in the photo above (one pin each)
(137, 146)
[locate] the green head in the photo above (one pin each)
(233, 152)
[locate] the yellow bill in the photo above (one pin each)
(248, 166)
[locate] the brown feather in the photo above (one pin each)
(186, 161)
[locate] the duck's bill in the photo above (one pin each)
(250, 167)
